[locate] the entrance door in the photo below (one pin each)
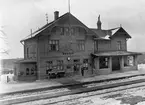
(76, 66)
(115, 63)
(76, 69)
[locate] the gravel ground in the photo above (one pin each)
(19, 95)
(133, 96)
(33, 94)
(116, 81)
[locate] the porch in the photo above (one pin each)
(116, 61)
(25, 70)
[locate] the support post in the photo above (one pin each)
(135, 62)
(122, 63)
(96, 63)
(110, 64)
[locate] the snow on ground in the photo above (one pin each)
(114, 81)
(48, 92)
(133, 96)
(141, 103)
(141, 66)
(53, 91)
(6, 78)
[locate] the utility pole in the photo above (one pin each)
(69, 6)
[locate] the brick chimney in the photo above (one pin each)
(56, 15)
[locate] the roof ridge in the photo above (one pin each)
(55, 21)
(114, 28)
(45, 26)
(49, 23)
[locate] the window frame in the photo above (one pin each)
(49, 66)
(119, 47)
(62, 30)
(27, 71)
(103, 62)
(96, 45)
(32, 69)
(60, 64)
(81, 45)
(53, 45)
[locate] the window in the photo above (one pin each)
(85, 64)
(27, 71)
(60, 64)
(81, 45)
(72, 31)
(81, 31)
(62, 31)
(85, 61)
(48, 66)
(32, 71)
(96, 45)
(128, 61)
(76, 60)
(119, 45)
(53, 44)
(103, 62)
(67, 31)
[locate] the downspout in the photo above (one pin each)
(38, 73)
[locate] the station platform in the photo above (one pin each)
(13, 87)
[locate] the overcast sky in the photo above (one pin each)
(17, 17)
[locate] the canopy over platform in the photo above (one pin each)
(116, 53)
(26, 61)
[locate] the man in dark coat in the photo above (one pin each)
(82, 70)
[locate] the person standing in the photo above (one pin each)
(82, 70)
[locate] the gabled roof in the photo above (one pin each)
(110, 32)
(66, 19)
(120, 29)
(101, 33)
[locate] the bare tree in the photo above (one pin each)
(3, 41)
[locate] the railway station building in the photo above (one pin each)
(66, 47)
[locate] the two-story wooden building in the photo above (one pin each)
(67, 47)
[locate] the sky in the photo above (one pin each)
(18, 17)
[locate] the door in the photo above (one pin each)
(76, 66)
(76, 69)
(115, 63)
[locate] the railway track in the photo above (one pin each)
(24, 97)
(64, 100)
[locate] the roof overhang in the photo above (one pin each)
(26, 61)
(101, 39)
(115, 53)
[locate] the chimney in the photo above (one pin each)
(56, 15)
